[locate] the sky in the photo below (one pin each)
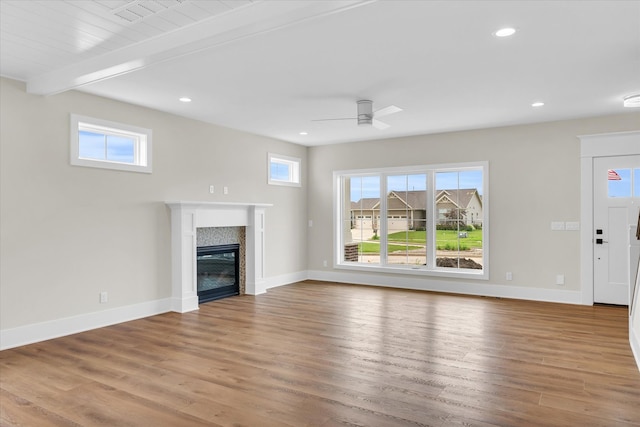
(280, 171)
(622, 188)
(106, 147)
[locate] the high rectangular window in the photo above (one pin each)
(283, 170)
(428, 220)
(109, 145)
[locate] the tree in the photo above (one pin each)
(455, 218)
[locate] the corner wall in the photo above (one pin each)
(70, 232)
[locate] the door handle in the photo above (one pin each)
(600, 241)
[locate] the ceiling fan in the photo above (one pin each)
(368, 117)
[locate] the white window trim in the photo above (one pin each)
(428, 270)
(143, 149)
(295, 169)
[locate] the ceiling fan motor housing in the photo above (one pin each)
(365, 113)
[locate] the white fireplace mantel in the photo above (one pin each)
(186, 217)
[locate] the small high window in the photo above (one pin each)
(284, 170)
(103, 144)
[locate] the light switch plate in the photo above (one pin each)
(572, 225)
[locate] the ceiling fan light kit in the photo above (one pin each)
(365, 112)
(366, 115)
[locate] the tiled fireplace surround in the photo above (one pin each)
(196, 224)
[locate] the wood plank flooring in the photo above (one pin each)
(326, 354)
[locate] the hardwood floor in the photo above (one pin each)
(322, 354)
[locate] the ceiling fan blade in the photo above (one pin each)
(391, 109)
(328, 120)
(378, 124)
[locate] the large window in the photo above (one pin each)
(421, 220)
(109, 145)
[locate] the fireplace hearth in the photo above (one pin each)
(218, 272)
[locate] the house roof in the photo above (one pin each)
(366, 203)
(460, 198)
(417, 200)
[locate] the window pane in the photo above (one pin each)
(619, 182)
(280, 171)
(408, 246)
(362, 231)
(103, 144)
(406, 211)
(460, 217)
(636, 183)
(91, 145)
(120, 149)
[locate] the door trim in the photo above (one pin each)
(591, 146)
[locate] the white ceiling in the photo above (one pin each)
(271, 67)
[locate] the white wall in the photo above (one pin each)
(69, 232)
(534, 180)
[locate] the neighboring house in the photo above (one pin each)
(466, 199)
(408, 209)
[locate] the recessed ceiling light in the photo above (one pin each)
(185, 99)
(304, 133)
(505, 32)
(632, 100)
(537, 104)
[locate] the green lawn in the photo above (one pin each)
(374, 248)
(445, 239)
(408, 236)
(448, 239)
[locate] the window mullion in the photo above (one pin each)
(384, 221)
(430, 222)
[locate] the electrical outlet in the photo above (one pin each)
(104, 297)
(509, 275)
(560, 279)
(225, 190)
(324, 263)
(211, 189)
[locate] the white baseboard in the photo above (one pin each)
(634, 340)
(286, 279)
(456, 287)
(29, 334)
(37, 332)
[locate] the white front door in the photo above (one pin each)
(616, 188)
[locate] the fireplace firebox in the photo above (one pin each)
(218, 269)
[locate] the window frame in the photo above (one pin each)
(142, 144)
(407, 269)
(295, 169)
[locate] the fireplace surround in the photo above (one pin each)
(186, 218)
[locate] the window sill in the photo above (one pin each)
(284, 183)
(417, 271)
(110, 165)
